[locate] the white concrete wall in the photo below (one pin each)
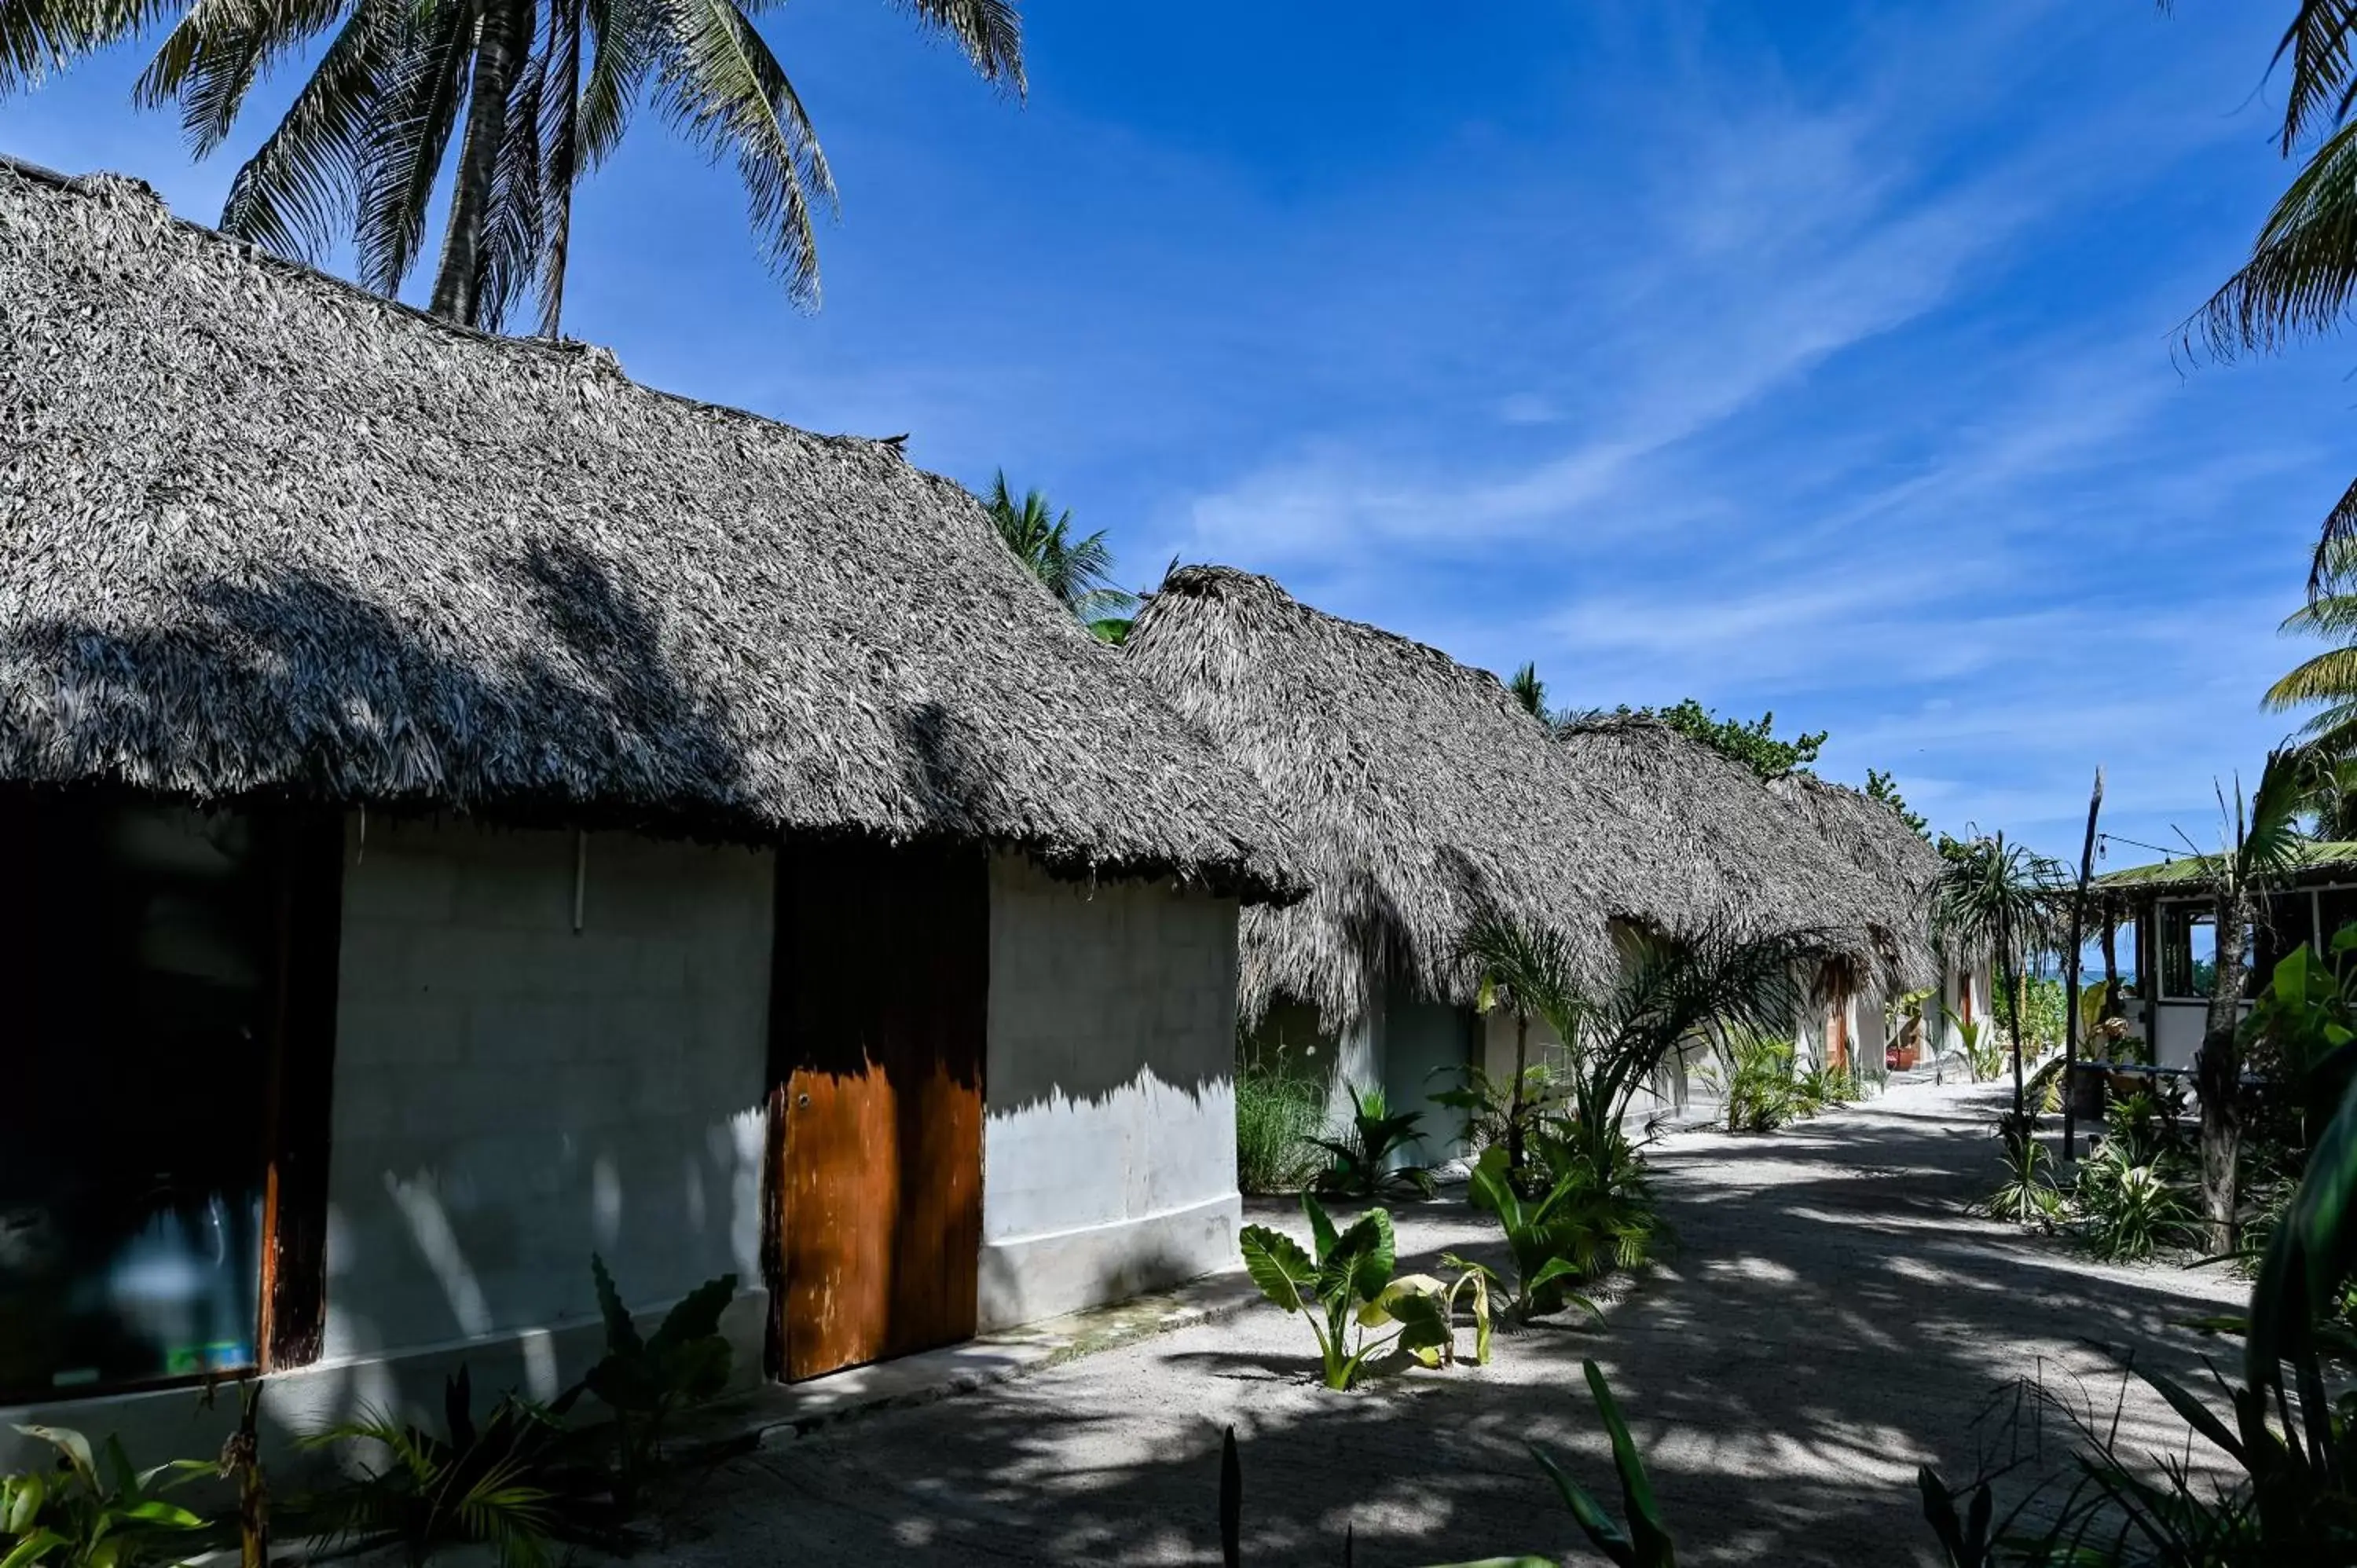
(509, 1096)
(1108, 1151)
(1677, 1090)
(513, 1094)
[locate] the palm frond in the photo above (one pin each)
(2322, 82)
(40, 36)
(515, 223)
(1528, 969)
(2271, 839)
(2303, 267)
(213, 57)
(990, 32)
(303, 182)
(2335, 545)
(423, 100)
(724, 91)
(2330, 677)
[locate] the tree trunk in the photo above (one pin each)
(2013, 1023)
(1514, 1101)
(458, 281)
(564, 159)
(2071, 1019)
(2218, 1074)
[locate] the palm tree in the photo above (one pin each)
(1672, 989)
(1527, 689)
(2261, 842)
(1995, 903)
(536, 92)
(2330, 677)
(1078, 572)
(2301, 277)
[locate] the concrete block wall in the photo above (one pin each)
(1109, 1162)
(513, 1094)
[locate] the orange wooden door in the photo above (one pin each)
(877, 1024)
(1837, 1038)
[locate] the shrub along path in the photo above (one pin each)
(1831, 1319)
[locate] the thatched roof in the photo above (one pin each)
(2318, 862)
(1420, 796)
(264, 533)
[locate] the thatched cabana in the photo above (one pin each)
(1419, 795)
(448, 784)
(2170, 907)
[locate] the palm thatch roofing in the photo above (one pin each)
(268, 534)
(1421, 797)
(2313, 864)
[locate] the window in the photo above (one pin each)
(2189, 953)
(138, 958)
(2336, 908)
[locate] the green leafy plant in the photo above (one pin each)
(1503, 1109)
(93, 1511)
(1555, 1242)
(1361, 1158)
(1984, 1047)
(1643, 1541)
(2129, 1208)
(514, 1482)
(1343, 1288)
(1278, 1118)
(645, 1382)
(2028, 1195)
(1758, 1083)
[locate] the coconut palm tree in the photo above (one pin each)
(1078, 572)
(508, 102)
(2331, 677)
(1527, 689)
(2301, 277)
(1995, 903)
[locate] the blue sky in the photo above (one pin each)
(1797, 356)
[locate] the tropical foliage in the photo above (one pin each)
(93, 1511)
(1279, 1117)
(1754, 743)
(1365, 1159)
(1880, 786)
(1671, 992)
(1578, 1230)
(506, 105)
(647, 1380)
(1078, 572)
(515, 1482)
(1343, 1286)
(1996, 902)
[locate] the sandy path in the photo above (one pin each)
(1832, 1318)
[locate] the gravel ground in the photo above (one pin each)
(1831, 1318)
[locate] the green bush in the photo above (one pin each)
(1762, 1095)
(1344, 1286)
(1278, 1118)
(1361, 1159)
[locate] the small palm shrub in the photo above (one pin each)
(2028, 1195)
(1761, 1094)
(1278, 1118)
(1362, 1158)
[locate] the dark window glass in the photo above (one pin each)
(2290, 922)
(135, 962)
(2337, 907)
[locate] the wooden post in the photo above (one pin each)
(2071, 970)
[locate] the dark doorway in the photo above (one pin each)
(878, 1015)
